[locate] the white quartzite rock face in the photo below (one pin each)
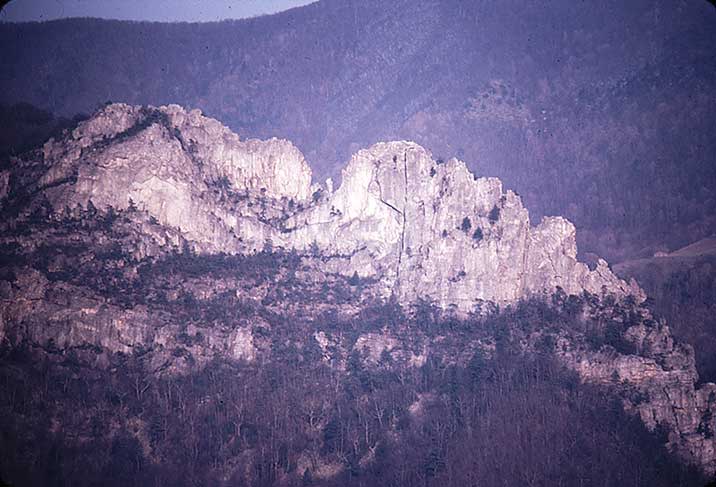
(4, 184)
(435, 231)
(426, 230)
(173, 163)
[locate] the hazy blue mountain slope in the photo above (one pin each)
(599, 111)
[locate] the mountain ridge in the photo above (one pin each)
(181, 303)
(539, 94)
(157, 232)
(453, 237)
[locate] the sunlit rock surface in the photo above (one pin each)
(186, 170)
(435, 231)
(661, 379)
(424, 228)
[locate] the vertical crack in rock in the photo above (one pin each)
(405, 209)
(672, 404)
(380, 198)
(525, 261)
(555, 273)
(399, 212)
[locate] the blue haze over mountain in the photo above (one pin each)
(602, 112)
(158, 10)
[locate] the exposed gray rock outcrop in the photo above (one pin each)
(436, 231)
(424, 229)
(419, 228)
(660, 385)
(4, 185)
(186, 170)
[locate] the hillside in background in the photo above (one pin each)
(597, 111)
(682, 288)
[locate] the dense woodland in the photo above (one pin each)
(683, 290)
(505, 420)
(298, 414)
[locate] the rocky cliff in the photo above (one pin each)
(657, 380)
(423, 228)
(186, 170)
(434, 230)
(156, 232)
(537, 106)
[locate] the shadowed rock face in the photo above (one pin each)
(660, 379)
(424, 229)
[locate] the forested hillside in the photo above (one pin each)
(596, 111)
(682, 289)
(335, 388)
